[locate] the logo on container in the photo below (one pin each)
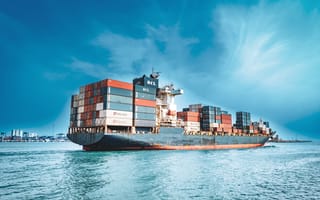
(151, 83)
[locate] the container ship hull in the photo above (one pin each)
(167, 139)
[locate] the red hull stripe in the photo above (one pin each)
(193, 147)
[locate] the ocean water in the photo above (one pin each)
(64, 171)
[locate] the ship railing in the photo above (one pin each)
(95, 129)
(215, 133)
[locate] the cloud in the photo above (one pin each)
(273, 61)
(163, 49)
(54, 76)
(90, 69)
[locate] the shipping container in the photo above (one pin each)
(116, 84)
(118, 114)
(145, 109)
(189, 116)
(116, 91)
(144, 102)
(81, 102)
(145, 89)
(119, 99)
(190, 123)
(99, 106)
(142, 95)
(145, 116)
(82, 89)
(118, 122)
(81, 96)
(144, 123)
(79, 123)
(118, 106)
(195, 107)
(75, 103)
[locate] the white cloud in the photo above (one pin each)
(54, 75)
(94, 70)
(268, 59)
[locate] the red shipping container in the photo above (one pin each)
(100, 99)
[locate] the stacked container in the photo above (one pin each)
(210, 117)
(226, 123)
(74, 110)
(117, 105)
(105, 103)
(195, 107)
(144, 107)
(191, 120)
(243, 120)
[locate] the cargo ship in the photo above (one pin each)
(116, 115)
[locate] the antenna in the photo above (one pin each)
(154, 74)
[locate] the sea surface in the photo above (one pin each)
(64, 171)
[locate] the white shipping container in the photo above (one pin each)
(81, 96)
(215, 125)
(192, 124)
(102, 113)
(118, 122)
(78, 116)
(99, 106)
(82, 89)
(75, 104)
(81, 109)
(79, 123)
(81, 102)
(119, 114)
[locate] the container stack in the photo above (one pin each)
(226, 123)
(195, 107)
(74, 110)
(117, 105)
(210, 118)
(243, 120)
(191, 120)
(145, 90)
(106, 103)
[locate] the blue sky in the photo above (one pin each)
(257, 56)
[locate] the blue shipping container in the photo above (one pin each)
(145, 116)
(147, 96)
(116, 91)
(145, 89)
(118, 106)
(145, 109)
(145, 123)
(119, 99)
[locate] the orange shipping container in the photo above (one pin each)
(144, 102)
(119, 84)
(189, 116)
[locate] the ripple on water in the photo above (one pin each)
(65, 172)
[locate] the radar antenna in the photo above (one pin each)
(154, 74)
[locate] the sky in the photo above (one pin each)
(256, 56)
